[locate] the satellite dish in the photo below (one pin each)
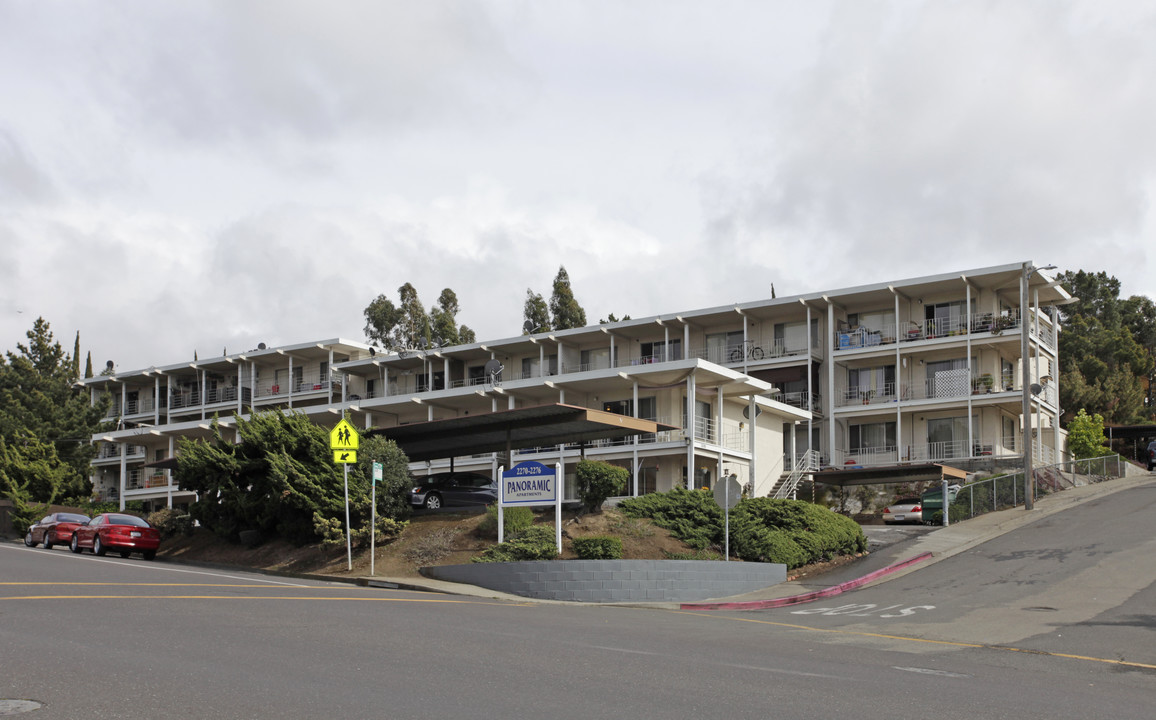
(527, 327)
(109, 365)
(747, 411)
(422, 343)
(372, 352)
(260, 346)
(493, 368)
(1036, 388)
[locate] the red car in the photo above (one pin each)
(125, 534)
(53, 529)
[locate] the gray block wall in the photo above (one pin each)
(616, 580)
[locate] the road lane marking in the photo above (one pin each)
(948, 643)
(142, 566)
(929, 671)
(263, 597)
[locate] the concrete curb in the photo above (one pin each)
(809, 596)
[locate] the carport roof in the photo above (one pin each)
(890, 474)
(538, 426)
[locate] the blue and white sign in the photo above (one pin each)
(529, 483)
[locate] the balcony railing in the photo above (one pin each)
(805, 400)
(110, 451)
(932, 452)
(910, 330)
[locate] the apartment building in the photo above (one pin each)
(928, 369)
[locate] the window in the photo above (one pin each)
(945, 318)
(530, 366)
(947, 438)
(1009, 433)
(720, 345)
(867, 383)
(872, 436)
(661, 351)
(596, 359)
(792, 337)
(880, 321)
(371, 387)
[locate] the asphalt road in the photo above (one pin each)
(1051, 621)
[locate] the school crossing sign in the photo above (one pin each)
(343, 441)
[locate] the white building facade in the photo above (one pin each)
(927, 369)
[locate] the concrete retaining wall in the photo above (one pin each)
(616, 580)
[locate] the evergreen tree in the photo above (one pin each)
(76, 357)
(399, 327)
(565, 311)
(45, 423)
(535, 313)
(88, 366)
(280, 479)
(443, 322)
(1104, 367)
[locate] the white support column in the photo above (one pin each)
(240, 389)
(689, 431)
(123, 472)
(156, 398)
(169, 472)
(291, 383)
(829, 401)
(970, 373)
(329, 380)
(899, 381)
(203, 396)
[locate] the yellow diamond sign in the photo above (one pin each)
(343, 437)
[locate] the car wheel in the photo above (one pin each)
(74, 545)
(150, 554)
(28, 540)
(433, 502)
(125, 553)
(47, 541)
(98, 547)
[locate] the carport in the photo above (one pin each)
(888, 475)
(504, 431)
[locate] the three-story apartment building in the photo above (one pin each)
(927, 369)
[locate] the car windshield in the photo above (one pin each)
(127, 520)
(906, 501)
(71, 517)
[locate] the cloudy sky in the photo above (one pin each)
(185, 177)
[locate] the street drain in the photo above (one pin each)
(1041, 608)
(15, 707)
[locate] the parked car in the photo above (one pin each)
(904, 510)
(453, 489)
(1151, 456)
(53, 529)
(123, 533)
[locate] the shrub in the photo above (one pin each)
(598, 547)
(331, 531)
(693, 555)
(598, 481)
(691, 516)
(432, 547)
(516, 519)
(534, 543)
(171, 522)
(758, 543)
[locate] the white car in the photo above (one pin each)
(1151, 456)
(904, 510)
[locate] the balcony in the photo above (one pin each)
(933, 452)
(910, 331)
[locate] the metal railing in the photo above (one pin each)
(1001, 492)
(807, 463)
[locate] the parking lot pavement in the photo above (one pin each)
(882, 536)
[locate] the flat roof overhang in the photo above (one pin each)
(539, 426)
(888, 475)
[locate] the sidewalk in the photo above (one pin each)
(886, 564)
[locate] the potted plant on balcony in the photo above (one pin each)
(987, 381)
(866, 395)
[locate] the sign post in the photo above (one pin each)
(727, 494)
(531, 483)
(343, 440)
(373, 519)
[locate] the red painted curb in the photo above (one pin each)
(807, 597)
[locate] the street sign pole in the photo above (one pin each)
(348, 539)
(377, 468)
